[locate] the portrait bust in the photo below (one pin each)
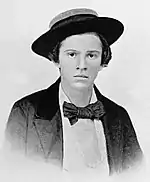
(71, 124)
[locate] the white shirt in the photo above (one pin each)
(84, 144)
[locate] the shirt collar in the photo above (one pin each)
(63, 97)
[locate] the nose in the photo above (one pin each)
(81, 63)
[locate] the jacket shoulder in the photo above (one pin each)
(30, 103)
(42, 96)
(30, 99)
(19, 114)
(36, 97)
(19, 119)
(114, 108)
(109, 105)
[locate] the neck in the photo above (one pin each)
(79, 97)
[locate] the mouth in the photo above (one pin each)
(81, 76)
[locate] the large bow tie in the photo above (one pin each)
(91, 111)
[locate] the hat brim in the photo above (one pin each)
(111, 29)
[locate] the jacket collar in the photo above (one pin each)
(48, 102)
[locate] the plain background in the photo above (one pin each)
(125, 80)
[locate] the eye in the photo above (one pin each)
(72, 54)
(92, 55)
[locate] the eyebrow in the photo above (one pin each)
(97, 51)
(90, 51)
(70, 50)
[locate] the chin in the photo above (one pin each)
(80, 86)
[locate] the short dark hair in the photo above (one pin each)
(106, 51)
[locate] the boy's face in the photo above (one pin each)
(80, 60)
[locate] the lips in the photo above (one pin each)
(81, 76)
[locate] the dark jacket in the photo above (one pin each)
(35, 128)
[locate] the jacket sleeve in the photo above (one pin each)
(16, 128)
(132, 153)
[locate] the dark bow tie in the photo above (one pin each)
(91, 111)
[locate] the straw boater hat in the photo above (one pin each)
(76, 21)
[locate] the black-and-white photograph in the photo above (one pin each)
(75, 91)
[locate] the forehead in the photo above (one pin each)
(86, 40)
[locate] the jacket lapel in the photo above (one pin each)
(112, 130)
(47, 123)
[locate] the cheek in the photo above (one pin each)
(67, 68)
(93, 71)
(94, 67)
